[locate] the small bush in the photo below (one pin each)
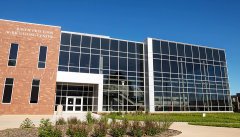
(165, 124)
(151, 128)
(89, 118)
(125, 123)
(118, 129)
(72, 121)
(61, 121)
(79, 130)
(47, 130)
(104, 120)
(27, 123)
(136, 129)
(100, 129)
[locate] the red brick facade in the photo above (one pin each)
(29, 37)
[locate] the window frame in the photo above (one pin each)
(30, 95)
(4, 90)
(9, 52)
(45, 62)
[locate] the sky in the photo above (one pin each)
(213, 23)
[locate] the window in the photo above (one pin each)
(188, 50)
(12, 60)
(156, 46)
(114, 45)
(131, 47)
(202, 52)
(65, 39)
(180, 48)
(105, 44)
(195, 52)
(164, 47)
(173, 50)
(86, 41)
(7, 93)
(64, 57)
(209, 54)
(95, 43)
(76, 39)
(35, 91)
(42, 57)
(222, 55)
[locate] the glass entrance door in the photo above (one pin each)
(74, 104)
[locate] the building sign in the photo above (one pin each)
(31, 32)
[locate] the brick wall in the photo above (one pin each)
(29, 37)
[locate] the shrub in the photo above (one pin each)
(79, 130)
(61, 121)
(89, 118)
(165, 124)
(136, 129)
(151, 128)
(100, 129)
(47, 130)
(118, 129)
(104, 120)
(125, 123)
(73, 121)
(27, 123)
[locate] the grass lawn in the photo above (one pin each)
(211, 119)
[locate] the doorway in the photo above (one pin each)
(74, 104)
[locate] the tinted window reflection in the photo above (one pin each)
(202, 52)
(65, 38)
(164, 47)
(209, 54)
(105, 44)
(86, 41)
(114, 45)
(188, 50)
(215, 55)
(156, 46)
(95, 43)
(195, 52)
(173, 48)
(131, 47)
(76, 39)
(222, 55)
(180, 48)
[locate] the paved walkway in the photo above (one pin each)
(14, 121)
(204, 131)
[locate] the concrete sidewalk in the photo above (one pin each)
(14, 121)
(204, 131)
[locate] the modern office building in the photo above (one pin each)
(42, 67)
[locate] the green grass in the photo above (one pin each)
(216, 124)
(211, 119)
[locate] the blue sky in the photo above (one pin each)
(214, 23)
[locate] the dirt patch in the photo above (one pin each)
(33, 132)
(18, 132)
(170, 133)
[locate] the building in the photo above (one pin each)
(42, 67)
(236, 102)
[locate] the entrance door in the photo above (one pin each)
(74, 104)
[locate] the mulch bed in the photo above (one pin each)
(33, 132)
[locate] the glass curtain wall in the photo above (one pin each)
(189, 78)
(121, 63)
